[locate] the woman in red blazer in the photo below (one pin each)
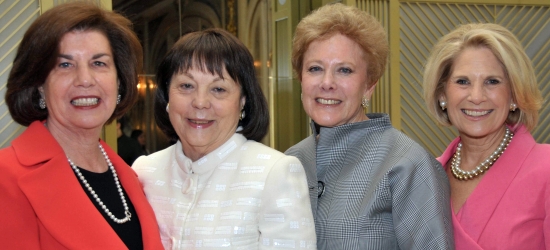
(61, 187)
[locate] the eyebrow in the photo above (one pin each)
(96, 56)
(218, 78)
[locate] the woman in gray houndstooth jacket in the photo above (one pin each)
(371, 187)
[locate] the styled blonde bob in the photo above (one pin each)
(349, 21)
(510, 53)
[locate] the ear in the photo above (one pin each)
(41, 91)
(243, 102)
(442, 98)
(369, 90)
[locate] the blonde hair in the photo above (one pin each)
(510, 53)
(349, 21)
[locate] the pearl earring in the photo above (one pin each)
(513, 107)
(243, 115)
(167, 107)
(443, 105)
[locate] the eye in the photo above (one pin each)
(64, 65)
(462, 81)
(218, 90)
(99, 63)
(345, 70)
(185, 86)
(314, 69)
(493, 81)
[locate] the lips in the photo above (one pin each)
(476, 113)
(327, 101)
(85, 102)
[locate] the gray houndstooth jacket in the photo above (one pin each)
(381, 189)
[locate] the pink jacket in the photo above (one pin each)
(43, 206)
(510, 207)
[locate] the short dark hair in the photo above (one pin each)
(39, 49)
(212, 51)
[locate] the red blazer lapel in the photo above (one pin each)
(132, 186)
(495, 183)
(59, 201)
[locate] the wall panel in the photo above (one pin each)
(15, 18)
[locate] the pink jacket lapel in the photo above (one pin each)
(494, 184)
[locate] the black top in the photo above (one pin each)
(104, 186)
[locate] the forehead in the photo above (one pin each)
(83, 40)
(477, 59)
(336, 46)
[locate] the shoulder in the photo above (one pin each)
(254, 148)
(538, 159)
(255, 152)
(302, 148)
(408, 156)
(10, 166)
(159, 158)
(403, 146)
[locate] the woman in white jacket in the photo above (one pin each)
(218, 187)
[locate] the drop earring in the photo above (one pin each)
(42, 103)
(118, 99)
(243, 115)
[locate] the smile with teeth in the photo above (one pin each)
(199, 122)
(476, 113)
(83, 102)
(327, 102)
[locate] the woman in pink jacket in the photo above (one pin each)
(479, 80)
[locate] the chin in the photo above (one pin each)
(326, 123)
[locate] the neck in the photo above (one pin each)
(477, 150)
(80, 145)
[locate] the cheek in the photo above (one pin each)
(307, 85)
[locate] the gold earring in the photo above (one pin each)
(365, 102)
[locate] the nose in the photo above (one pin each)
(201, 100)
(328, 83)
(477, 93)
(84, 77)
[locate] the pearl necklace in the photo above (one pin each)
(97, 199)
(485, 165)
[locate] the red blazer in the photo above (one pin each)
(43, 206)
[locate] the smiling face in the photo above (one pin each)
(478, 93)
(204, 110)
(334, 80)
(81, 89)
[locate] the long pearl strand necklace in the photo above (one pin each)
(485, 165)
(97, 199)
